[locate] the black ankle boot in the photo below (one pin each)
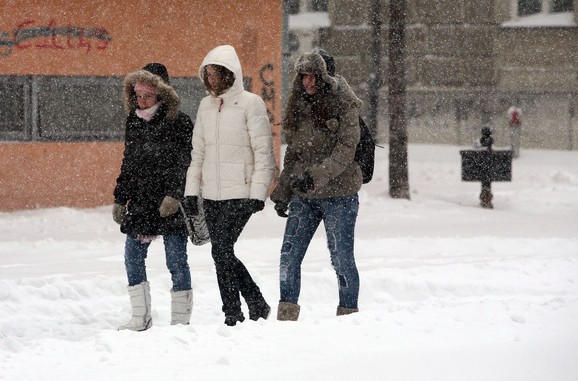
(232, 320)
(258, 309)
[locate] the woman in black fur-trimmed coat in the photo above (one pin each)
(150, 187)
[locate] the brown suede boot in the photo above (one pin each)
(346, 311)
(288, 311)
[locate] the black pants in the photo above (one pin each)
(226, 220)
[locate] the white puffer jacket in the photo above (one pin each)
(232, 153)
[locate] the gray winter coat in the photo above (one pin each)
(327, 153)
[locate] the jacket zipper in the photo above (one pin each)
(217, 148)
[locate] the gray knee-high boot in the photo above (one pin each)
(140, 300)
(181, 306)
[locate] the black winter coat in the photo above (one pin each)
(157, 155)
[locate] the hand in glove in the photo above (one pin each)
(281, 209)
(253, 205)
(332, 124)
(169, 206)
(302, 183)
(118, 213)
(191, 205)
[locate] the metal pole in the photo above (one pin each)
(398, 167)
(375, 76)
(286, 54)
(486, 195)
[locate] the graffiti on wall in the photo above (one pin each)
(29, 35)
(268, 89)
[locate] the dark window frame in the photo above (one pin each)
(532, 7)
(15, 124)
(74, 108)
(52, 108)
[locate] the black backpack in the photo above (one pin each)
(365, 152)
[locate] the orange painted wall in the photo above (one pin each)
(133, 33)
(46, 175)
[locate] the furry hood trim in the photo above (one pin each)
(313, 63)
(167, 94)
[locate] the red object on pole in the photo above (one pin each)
(514, 114)
(515, 119)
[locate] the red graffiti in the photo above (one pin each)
(51, 36)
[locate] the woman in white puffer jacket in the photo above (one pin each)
(232, 166)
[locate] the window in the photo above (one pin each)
(15, 123)
(66, 108)
(318, 5)
(78, 108)
(292, 6)
(529, 7)
(562, 5)
(190, 90)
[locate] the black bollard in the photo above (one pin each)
(486, 165)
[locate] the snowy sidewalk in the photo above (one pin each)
(449, 291)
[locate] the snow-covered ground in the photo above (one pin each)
(449, 291)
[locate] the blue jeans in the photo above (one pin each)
(339, 215)
(135, 253)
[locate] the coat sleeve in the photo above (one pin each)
(282, 191)
(182, 148)
(261, 141)
(193, 178)
(124, 184)
(347, 137)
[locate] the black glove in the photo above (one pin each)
(302, 183)
(253, 205)
(281, 209)
(191, 206)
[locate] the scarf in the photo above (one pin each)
(149, 113)
(146, 238)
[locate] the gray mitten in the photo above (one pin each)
(169, 206)
(118, 213)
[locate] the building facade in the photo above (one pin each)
(468, 62)
(62, 65)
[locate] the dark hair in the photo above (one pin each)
(325, 104)
(227, 78)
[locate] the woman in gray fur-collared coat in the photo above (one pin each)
(150, 187)
(320, 179)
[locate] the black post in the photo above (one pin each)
(375, 76)
(398, 168)
(486, 195)
(487, 166)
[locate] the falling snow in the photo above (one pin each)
(449, 291)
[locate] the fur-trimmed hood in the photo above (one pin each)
(346, 93)
(167, 94)
(342, 92)
(313, 63)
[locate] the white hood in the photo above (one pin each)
(224, 55)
